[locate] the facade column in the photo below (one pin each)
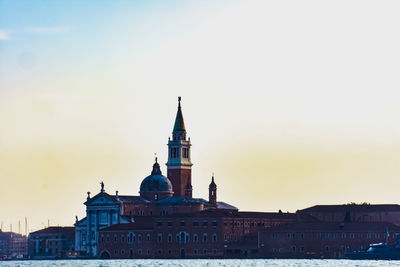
(89, 228)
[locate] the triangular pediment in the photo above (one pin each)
(101, 198)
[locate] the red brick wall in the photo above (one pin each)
(179, 179)
(316, 244)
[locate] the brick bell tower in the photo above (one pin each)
(179, 166)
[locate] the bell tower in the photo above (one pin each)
(179, 166)
(212, 192)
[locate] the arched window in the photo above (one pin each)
(131, 238)
(169, 238)
(182, 237)
(139, 238)
(204, 238)
(214, 237)
(159, 237)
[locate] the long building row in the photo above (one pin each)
(318, 232)
(166, 221)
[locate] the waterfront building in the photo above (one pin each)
(165, 221)
(13, 245)
(159, 195)
(52, 243)
(205, 234)
(324, 239)
(355, 213)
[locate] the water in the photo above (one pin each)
(202, 263)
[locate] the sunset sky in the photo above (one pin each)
(289, 103)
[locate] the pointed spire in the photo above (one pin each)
(179, 126)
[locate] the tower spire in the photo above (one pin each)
(179, 126)
(179, 165)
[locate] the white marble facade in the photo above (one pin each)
(102, 210)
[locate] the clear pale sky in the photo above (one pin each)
(289, 103)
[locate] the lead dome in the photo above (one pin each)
(156, 185)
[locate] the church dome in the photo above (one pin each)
(156, 183)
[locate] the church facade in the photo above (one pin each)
(159, 195)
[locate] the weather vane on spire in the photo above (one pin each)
(102, 186)
(155, 155)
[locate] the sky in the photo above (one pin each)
(289, 103)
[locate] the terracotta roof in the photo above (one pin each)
(56, 230)
(205, 213)
(178, 200)
(225, 206)
(235, 214)
(269, 215)
(323, 226)
(139, 224)
(132, 199)
(353, 207)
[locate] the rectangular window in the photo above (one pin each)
(115, 218)
(103, 218)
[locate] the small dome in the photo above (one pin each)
(156, 182)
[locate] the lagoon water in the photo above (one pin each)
(193, 263)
